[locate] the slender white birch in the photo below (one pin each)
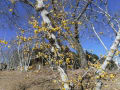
(93, 28)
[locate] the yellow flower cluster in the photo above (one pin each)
(55, 29)
(67, 60)
(97, 65)
(64, 22)
(10, 10)
(40, 29)
(29, 38)
(79, 78)
(30, 67)
(77, 22)
(70, 66)
(36, 31)
(9, 46)
(105, 75)
(60, 62)
(67, 28)
(44, 45)
(41, 55)
(24, 38)
(34, 22)
(112, 76)
(22, 31)
(3, 42)
(61, 55)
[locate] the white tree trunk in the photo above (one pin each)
(64, 78)
(44, 13)
(108, 58)
(111, 52)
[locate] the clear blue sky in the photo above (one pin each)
(114, 6)
(90, 44)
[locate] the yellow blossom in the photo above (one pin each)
(112, 75)
(46, 56)
(22, 31)
(63, 89)
(36, 31)
(102, 76)
(56, 62)
(30, 67)
(101, 33)
(29, 38)
(69, 66)
(67, 60)
(33, 48)
(79, 77)
(24, 39)
(5, 42)
(67, 28)
(38, 16)
(10, 10)
(97, 77)
(61, 55)
(79, 22)
(60, 61)
(73, 23)
(8, 46)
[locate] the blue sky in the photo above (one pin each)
(95, 45)
(114, 5)
(90, 44)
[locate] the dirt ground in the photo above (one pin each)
(33, 80)
(45, 79)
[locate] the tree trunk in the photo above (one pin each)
(80, 52)
(109, 57)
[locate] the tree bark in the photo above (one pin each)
(81, 55)
(80, 52)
